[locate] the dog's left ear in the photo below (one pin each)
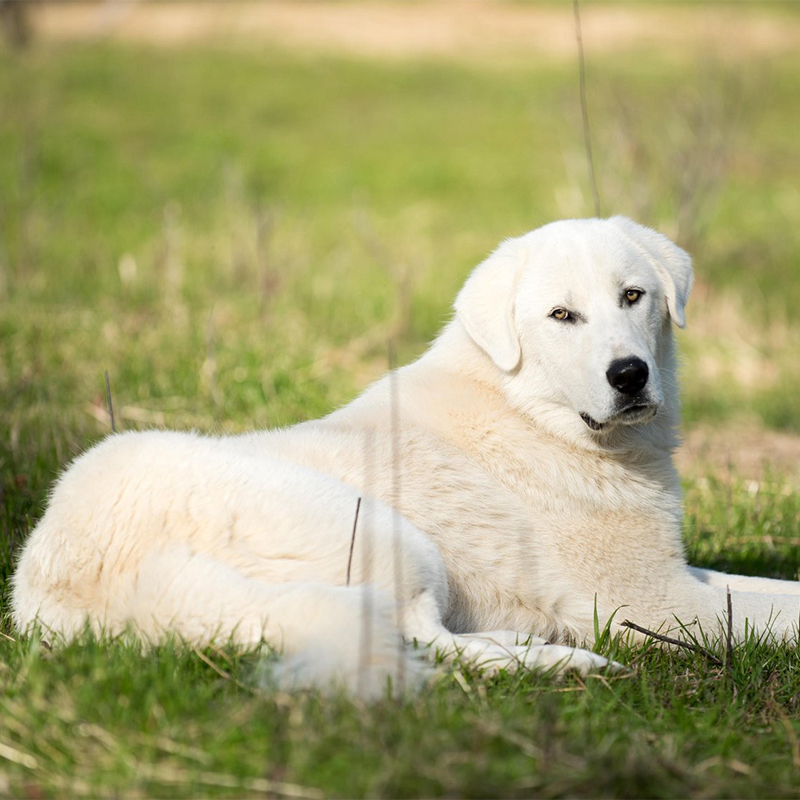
(673, 264)
(485, 306)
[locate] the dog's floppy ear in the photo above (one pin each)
(485, 306)
(672, 264)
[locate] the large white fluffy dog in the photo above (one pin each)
(515, 479)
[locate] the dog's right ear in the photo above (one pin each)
(485, 306)
(673, 264)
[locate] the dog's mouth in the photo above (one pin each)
(592, 422)
(638, 412)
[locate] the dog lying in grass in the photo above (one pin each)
(513, 485)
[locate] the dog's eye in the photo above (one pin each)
(632, 295)
(561, 314)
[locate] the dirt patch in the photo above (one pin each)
(743, 451)
(456, 29)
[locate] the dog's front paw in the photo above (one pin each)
(560, 659)
(491, 655)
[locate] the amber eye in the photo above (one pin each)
(632, 295)
(560, 314)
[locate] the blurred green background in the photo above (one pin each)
(232, 208)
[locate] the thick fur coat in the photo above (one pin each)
(515, 481)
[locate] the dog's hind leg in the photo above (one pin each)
(330, 637)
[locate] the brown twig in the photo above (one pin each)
(352, 542)
(221, 672)
(729, 636)
(677, 642)
(110, 404)
(587, 136)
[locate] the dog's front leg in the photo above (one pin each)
(493, 651)
(701, 596)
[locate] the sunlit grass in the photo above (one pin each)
(235, 237)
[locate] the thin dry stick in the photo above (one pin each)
(352, 542)
(394, 411)
(587, 136)
(678, 642)
(729, 635)
(223, 673)
(110, 404)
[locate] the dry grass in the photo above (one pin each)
(483, 29)
(740, 450)
(729, 343)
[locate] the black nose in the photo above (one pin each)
(628, 375)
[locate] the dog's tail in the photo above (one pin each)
(331, 637)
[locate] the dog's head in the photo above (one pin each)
(576, 318)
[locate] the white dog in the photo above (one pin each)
(516, 480)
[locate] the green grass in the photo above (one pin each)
(234, 236)
(100, 718)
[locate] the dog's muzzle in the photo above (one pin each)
(628, 376)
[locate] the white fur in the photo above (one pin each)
(492, 512)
